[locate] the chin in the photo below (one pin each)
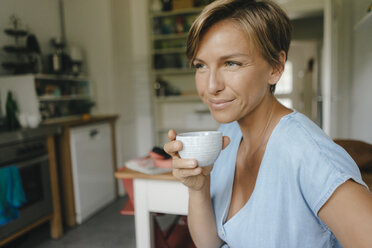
(222, 117)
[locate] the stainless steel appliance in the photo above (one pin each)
(31, 157)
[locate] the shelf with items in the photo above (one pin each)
(169, 51)
(22, 55)
(46, 98)
(62, 95)
(62, 77)
(169, 36)
(175, 100)
(177, 12)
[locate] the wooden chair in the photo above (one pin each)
(361, 152)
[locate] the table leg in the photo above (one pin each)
(143, 221)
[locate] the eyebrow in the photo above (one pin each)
(233, 55)
(225, 56)
(199, 60)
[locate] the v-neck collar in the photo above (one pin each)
(258, 179)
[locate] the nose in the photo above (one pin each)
(215, 82)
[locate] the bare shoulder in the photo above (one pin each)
(348, 214)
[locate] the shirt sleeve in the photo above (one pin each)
(322, 174)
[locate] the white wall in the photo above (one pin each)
(361, 84)
(114, 35)
(40, 17)
(352, 63)
(88, 25)
(124, 87)
(141, 75)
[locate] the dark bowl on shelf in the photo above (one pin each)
(18, 50)
(18, 68)
(15, 32)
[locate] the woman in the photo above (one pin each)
(280, 181)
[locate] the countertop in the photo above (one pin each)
(78, 120)
(50, 127)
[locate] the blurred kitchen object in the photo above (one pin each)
(11, 112)
(59, 62)
(76, 56)
(23, 91)
(34, 53)
(156, 5)
(2, 117)
(17, 60)
(167, 5)
(33, 120)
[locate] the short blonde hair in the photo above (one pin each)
(266, 24)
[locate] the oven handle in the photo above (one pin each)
(32, 161)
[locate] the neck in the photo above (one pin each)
(256, 126)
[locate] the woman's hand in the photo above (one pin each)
(187, 170)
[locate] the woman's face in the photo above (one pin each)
(232, 77)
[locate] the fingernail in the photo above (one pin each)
(191, 162)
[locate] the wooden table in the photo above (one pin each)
(154, 193)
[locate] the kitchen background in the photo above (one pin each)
(115, 43)
(114, 36)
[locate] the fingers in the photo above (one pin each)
(184, 173)
(184, 163)
(225, 142)
(173, 147)
(172, 135)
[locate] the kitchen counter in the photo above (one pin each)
(8, 137)
(78, 120)
(22, 136)
(67, 157)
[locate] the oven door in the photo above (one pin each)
(36, 185)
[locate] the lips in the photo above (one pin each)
(219, 104)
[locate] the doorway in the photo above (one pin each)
(299, 86)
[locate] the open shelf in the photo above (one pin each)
(169, 36)
(170, 68)
(170, 50)
(61, 77)
(177, 12)
(46, 98)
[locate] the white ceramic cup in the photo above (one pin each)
(23, 120)
(202, 146)
(33, 120)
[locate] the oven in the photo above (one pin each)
(31, 158)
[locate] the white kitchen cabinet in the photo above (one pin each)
(92, 168)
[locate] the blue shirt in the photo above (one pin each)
(300, 170)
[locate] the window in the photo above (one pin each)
(285, 84)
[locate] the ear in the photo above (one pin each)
(278, 71)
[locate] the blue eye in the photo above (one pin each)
(198, 66)
(231, 63)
